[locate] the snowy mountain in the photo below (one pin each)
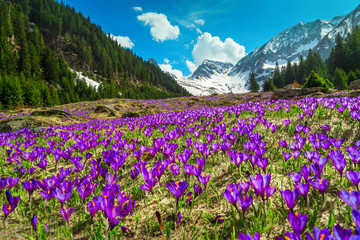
(343, 28)
(290, 44)
(211, 68)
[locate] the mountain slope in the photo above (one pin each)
(288, 45)
(42, 39)
(343, 28)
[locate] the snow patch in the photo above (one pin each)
(88, 81)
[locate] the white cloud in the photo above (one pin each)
(166, 60)
(198, 31)
(137, 9)
(123, 41)
(160, 27)
(212, 48)
(191, 66)
(200, 22)
(168, 68)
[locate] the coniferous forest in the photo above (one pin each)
(38, 41)
(340, 68)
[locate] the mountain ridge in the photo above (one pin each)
(288, 45)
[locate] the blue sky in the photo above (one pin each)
(180, 34)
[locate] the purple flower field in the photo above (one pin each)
(221, 167)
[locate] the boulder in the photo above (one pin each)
(293, 92)
(130, 115)
(111, 111)
(52, 113)
(13, 125)
(290, 86)
(354, 85)
(355, 93)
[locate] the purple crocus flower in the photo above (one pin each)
(290, 197)
(342, 234)
(232, 193)
(177, 188)
(34, 222)
(174, 168)
(65, 213)
(305, 170)
(244, 202)
(287, 156)
(85, 189)
(149, 185)
(283, 143)
(338, 161)
(112, 213)
(260, 183)
(13, 201)
(111, 179)
(2, 183)
(8, 209)
(338, 143)
(204, 179)
(296, 177)
(245, 186)
(249, 237)
(42, 164)
(351, 198)
(297, 222)
(323, 234)
(321, 185)
(286, 122)
(93, 207)
(11, 182)
(303, 189)
(354, 177)
(316, 169)
(325, 127)
(30, 186)
(63, 194)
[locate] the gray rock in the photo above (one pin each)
(13, 125)
(294, 92)
(355, 93)
(111, 111)
(52, 113)
(354, 85)
(130, 115)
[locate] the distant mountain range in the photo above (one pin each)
(319, 35)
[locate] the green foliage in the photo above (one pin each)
(315, 81)
(278, 78)
(254, 86)
(340, 79)
(33, 36)
(268, 86)
(351, 77)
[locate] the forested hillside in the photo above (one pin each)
(341, 67)
(39, 39)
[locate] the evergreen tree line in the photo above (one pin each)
(97, 50)
(338, 70)
(30, 73)
(33, 73)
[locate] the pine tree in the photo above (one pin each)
(268, 86)
(254, 86)
(351, 77)
(289, 74)
(340, 79)
(300, 74)
(278, 78)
